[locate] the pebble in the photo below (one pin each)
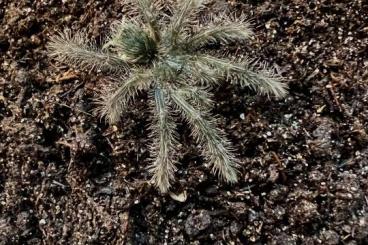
(196, 223)
(42, 222)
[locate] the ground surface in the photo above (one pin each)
(67, 178)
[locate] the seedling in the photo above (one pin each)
(171, 62)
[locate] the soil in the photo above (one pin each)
(68, 178)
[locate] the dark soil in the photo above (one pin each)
(67, 178)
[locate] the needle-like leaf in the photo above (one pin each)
(182, 18)
(149, 14)
(216, 148)
(224, 32)
(74, 49)
(112, 105)
(164, 143)
(257, 76)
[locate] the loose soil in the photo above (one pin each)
(68, 178)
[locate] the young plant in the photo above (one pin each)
(169, 60)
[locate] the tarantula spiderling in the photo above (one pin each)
(170, 61)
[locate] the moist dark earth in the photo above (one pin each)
(66, 177)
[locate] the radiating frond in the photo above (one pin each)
(76, 50)
(181, 18)
(150, 17)
(216, 148)
(194, 66)
(196, 96)
(111, 105)
(164, 143)
(221, 30)
(256, 76)
(263, 79)
(197, 67)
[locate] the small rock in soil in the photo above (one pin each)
(330, 237)
(197, 223)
